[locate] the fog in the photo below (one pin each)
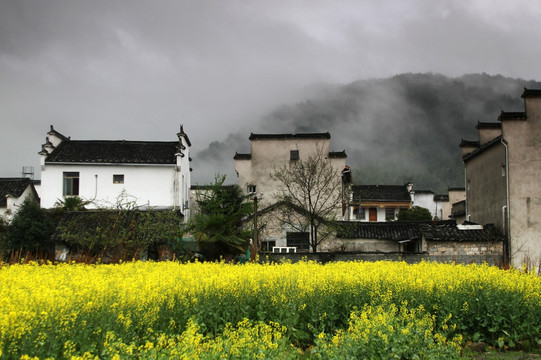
(137, 70)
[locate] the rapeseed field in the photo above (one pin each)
(160, 310)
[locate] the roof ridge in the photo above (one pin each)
(127, 141)
(321, 135)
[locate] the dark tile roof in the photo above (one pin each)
(378, 230)
(512, 116)
(456, 189)
(210, 187)
(441, 197)
(242, 156)
(380, 193)
(14, 187)
(326, 135)
(488, 125)
(337, 154)
(531, 93)
(438, 231)
(332, 155)
(118, 152)
(468, 233)
(482, 148)
(424, 192)
(467, 143)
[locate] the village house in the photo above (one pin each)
(154, 174)
(455, 195)
(375, 203)
(13, 192)
(503, 168)
(270, 152)
(439, 205)
(378, 203)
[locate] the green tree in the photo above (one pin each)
(217, 222)
(31, 229)
(122, 232)
(3, 230)
(416, 213)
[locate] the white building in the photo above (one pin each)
(155, 174)
(13, 192)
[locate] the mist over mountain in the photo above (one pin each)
(404, 128)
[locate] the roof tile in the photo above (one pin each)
(121, 152)
(380, 193)
(12, 186)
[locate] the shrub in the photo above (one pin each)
(123, 234)
(31, 230)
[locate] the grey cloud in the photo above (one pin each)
(137, 69)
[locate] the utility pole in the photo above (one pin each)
(346, 180)
(256, 230)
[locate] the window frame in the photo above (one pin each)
(267, 245)
(71, 183)
(389, 209)
(358, 213)
(298, 239)
(294, 155)
(116, 177)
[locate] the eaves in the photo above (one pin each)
(108, 164)
(482, 149)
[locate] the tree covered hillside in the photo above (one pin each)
(407, 127)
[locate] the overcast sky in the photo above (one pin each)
(136, 70)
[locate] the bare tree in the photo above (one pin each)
(311, 193)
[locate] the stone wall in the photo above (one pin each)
(439, 248)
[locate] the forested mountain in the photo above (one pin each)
(404, 128)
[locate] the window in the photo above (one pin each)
(71, 184)
(118, 179)
(389, 213)
(266, 246)
(300, 240)
(358, 213)
(251, 189)
(294, 155)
